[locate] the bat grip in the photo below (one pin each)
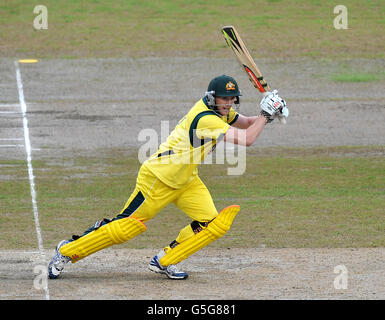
(282, 120)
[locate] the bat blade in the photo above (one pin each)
(246, 61)
(235, 42)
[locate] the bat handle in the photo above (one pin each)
(282, 120)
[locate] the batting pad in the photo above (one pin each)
(215, 229)
(114, 232)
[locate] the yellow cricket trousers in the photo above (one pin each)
(151, 195)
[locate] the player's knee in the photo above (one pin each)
(208, 216)
(124, 229)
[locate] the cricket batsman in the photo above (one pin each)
(171, 176)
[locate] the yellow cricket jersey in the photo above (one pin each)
(196, 135)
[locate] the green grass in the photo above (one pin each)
(131, 28)
(292, 197)
(358, 77)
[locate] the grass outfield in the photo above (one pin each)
(131, 28)
(290, 197)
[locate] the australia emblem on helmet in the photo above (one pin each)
(230, 86)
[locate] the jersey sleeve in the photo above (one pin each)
(211, 127)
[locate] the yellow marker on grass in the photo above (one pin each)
(28, 60)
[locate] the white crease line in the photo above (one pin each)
(8, 112)
(23, 108)
(11, 145)
(10, 105)
(11, 139)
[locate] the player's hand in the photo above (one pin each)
(273, 106)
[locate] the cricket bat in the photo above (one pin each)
(235, 42)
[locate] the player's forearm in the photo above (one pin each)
(244, 122)
(250, 121)
(246, 137)
(254, 130)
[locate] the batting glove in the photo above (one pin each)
(273, 106)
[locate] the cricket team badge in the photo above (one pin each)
(230, 86)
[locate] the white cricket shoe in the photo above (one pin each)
(171, 271)
(58, 262)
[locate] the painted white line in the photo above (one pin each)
(9, 112)
(27, 141)
(9, 105)
(11, 139)
(11, 145)
(19, 295)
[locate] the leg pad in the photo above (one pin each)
(114, 232)
(215, 229)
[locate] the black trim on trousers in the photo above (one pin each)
(131, 208)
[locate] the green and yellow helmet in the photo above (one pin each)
(222, 86)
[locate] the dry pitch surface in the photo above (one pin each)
(84, 106)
